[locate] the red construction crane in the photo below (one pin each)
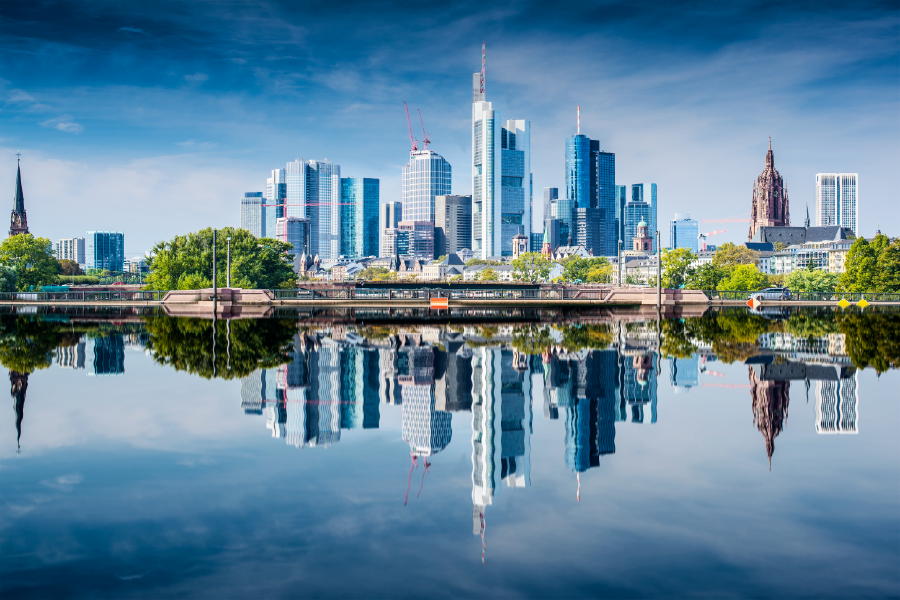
(414, 145)
(702, 237)
(425, 140)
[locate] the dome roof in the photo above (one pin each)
(643, 223)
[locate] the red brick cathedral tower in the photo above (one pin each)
(770, 199)
(18, 221)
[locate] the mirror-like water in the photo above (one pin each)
(732, 454)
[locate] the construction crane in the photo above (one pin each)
(425, 140)
(414, 145)
(702, 237)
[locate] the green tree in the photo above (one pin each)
(860, 267)
(729, 255)
(586, 270)
(744, 277)
(811, 281)
(487, 275)
(69, 267)
(531, 266)
(888, 267)
(705, 277)
(779, 246)
(677, 267)
(474, 262)
(7, 279)
(373, 273)
(185, 262)
(31, 258)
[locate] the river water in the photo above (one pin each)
(732, 454)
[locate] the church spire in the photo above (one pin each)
(18, 220)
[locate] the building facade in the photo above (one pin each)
(836, 200)
(425, 176)
(452, 224)
(294, 231)
(105, 250)
(635, 212)
(419, 239)
(550, 194)
(590, 183)
(683, 232)
(770, 207)
(641, 192)
(71, 249)
(621, 200)
(389, 216)
(359, 217)
(588, 230)
(253, 214)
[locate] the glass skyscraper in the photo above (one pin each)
(683, 232)
(106, 250)
(637, 195)
(253, 214)
(590, 184)
(836, 200)
(276, 190)
(359, 217)
(635, 212)
(578, 171)
(425, 176)
(606, 203)
(621, 199)
(294, 231)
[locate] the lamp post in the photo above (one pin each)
(228, 264)
(658, 273)
(215, 291)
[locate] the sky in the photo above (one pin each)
(155, 118)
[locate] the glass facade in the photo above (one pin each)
(638, 191)
(635, 212)
(359, 217)
(253, 214)
(836, 200)
(276, 191)
(106, 250)
(606, 203)
(294, 231)
(323, 197)
(425, 176)
(683, 233)
(621, 199)
(578, 171)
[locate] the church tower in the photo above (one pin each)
(18, 221)
(770, 200)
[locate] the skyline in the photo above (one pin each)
(145, 108)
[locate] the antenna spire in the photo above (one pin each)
(579, 119)
(482, 70)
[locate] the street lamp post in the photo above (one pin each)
(658, 273)
(228, 264)
(215, 291)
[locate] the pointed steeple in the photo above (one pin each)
(18, 222)
(20, 197)
(770, 158)
(806, 223)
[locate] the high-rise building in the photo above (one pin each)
(109, 355)
(836, 200)
(501, 178)
(359, 217)
(426, 430)
(452, 224)
(294, 231)
(323, 197)
(590, 183)
(638, 195)
(71, 249)
(18, 220)
(550, 194)
(105, 250)
(253, 214)
(621, 201)
(419, 239)
(770, 206)
(425, 176)
(389, 216)
(276, 191)
(587, 230)
(635, 212)
(683, 232)
(836, 402)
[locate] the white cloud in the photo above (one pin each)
(194, 145)
(63, 123)
(64, 483)
(20, 96)
(133, 30)
(196, 78)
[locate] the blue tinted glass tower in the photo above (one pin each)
(638, 191)
(106, 250)
(621, 199)
(683, 232)
(359, 217)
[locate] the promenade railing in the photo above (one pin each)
(486, 293)
(84, 296)
(808, 296)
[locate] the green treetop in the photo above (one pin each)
(32, 260)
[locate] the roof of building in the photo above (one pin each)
(760, 246)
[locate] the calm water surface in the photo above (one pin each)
(729, 455)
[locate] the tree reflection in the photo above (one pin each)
(226, 350)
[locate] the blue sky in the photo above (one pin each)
(154, 118)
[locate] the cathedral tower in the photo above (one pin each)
(18, 221)
(770, 200)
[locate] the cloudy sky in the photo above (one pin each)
(155, 117)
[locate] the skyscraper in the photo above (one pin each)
(638, 195)
(770, 206)
(550, 194)
(106, 250)
(683, 232)
(18, 220)
(836, 200)
(620, 200)
(425, 176)
(452, 224)
(294, 231)
(590, 183)
(501, 177)
(310, 189)
(253, 214)
(635, 212)
(389, 216)
(276, 191)
(359, 217)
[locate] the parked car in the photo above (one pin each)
(775, 293)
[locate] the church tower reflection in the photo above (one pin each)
(18, 383)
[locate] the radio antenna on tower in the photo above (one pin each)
(425, 140)
(482, 70)
(579, 119)
(412, 141)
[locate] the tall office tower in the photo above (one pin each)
(502, 189)
(550, 194)
(323, 410)
(587, 230)
(295, 189)
(836, 200)
(105, 250)
(452, 224)
(836, 402)
(359, 217)
(590, 183)
(425, 429)
(294, 231)
(253, 214)
(635, 212)
(621, 201)
(683, 232)
(591, 410)
(563, 212)
(606, 197)
(638, 195)
(276, 191)
(419, 239)
(71, 249)
(389, 216)
(323, 197)
(770, 206)
(359, 388)
(425, 176)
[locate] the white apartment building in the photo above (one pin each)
(71, 249)
(837, 200)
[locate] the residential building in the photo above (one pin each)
(105, 250)
(389, 215)
(359, 217)
(420, 239)
(253, 214)
(425, 176)
(837, 256)
(504, 272)
(71, 249)
(452, 224)
(645, 193)
(136, 265)
(770, 206)
(501, 178)
(683, 232)
(451, 266)
(635, 212)
(795, 236)
(294, 231)
(836, 200)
